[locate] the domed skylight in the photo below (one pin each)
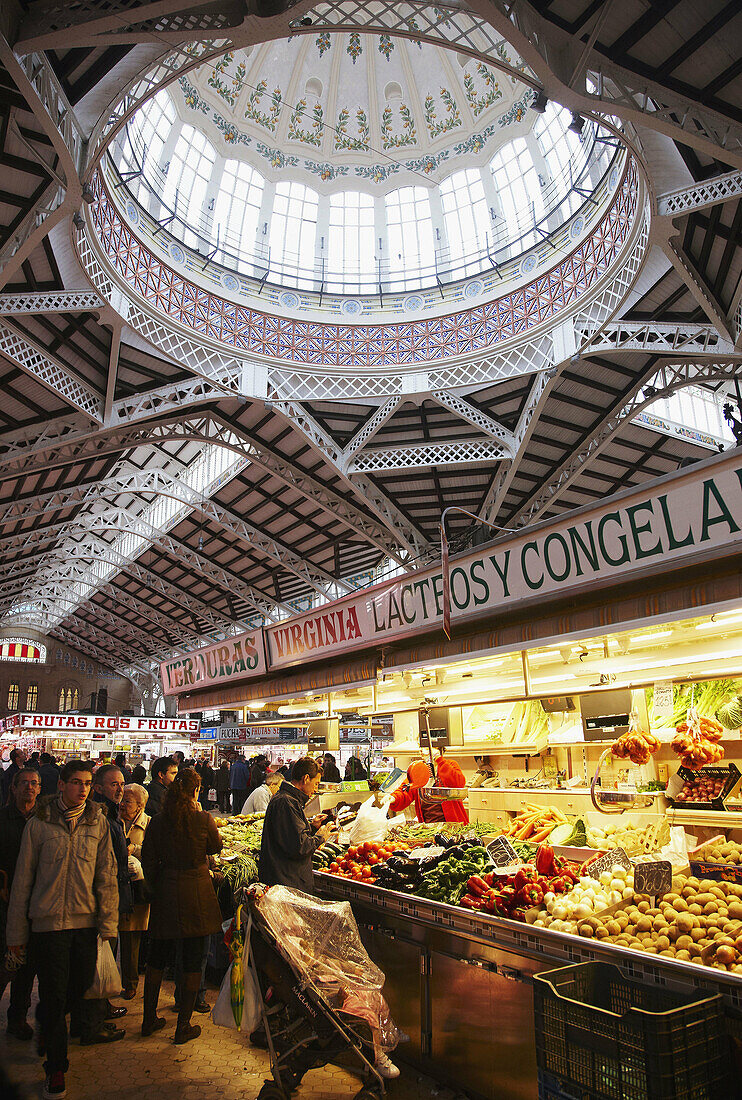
(346, 162)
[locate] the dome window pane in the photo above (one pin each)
(237, 209)
(519, 191)
(293, 230)
(187, 179)
(466, 218)
(350, 253)
(411, 239)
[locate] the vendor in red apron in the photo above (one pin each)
(427, 805)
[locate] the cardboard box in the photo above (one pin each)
(730, 773)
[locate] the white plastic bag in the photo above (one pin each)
(222, 1013)
(371, 823)
(107, 980)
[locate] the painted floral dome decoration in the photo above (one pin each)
(366, 108)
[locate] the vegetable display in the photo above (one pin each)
(534, 823)
(636, 840)
(696, 741)
(703, 788)
(637, 745)
(730, 713)
(513, 895)
(446, 880)
(362, 862)
(720, 850)
(699, 921)
(587, 897)
(241, 833)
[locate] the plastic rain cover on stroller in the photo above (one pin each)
(321, 941)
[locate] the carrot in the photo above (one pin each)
(526, 831)
(540, 836)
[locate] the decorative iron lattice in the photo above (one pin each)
(700, 195)
(42, 366)
(655, 337)
(471, 333)
(53, 301)
(428, 454)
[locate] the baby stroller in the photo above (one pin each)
(307, 960)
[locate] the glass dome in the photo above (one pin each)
(357, 164)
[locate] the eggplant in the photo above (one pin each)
(400, 863)
(443, 841)
(429, 862)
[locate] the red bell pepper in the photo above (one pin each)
(524, 875)
(530, 895)
(547, 862)
(469, 902)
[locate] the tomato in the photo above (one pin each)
(334, 868)
(352, 852)
(372, 859)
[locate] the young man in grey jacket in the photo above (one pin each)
(64, 895)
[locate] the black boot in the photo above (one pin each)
(151, 1022)
(189, 987)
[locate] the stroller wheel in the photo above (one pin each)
(269, 1091)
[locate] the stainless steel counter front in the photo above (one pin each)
(459, 983)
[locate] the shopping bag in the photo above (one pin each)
(211, 797)
(107, 980)
(238, 1003)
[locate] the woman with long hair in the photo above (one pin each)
(175, 854)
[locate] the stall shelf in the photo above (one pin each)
(461, 983)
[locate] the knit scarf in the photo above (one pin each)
(71, 816)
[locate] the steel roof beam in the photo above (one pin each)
(437, 453)
(654, 337)
(51, 301)
(699, 196)
(39, 364)
(477, 418)
(659, 383)
(697, 287)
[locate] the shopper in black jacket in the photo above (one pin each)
(24, 791)
(163, 771)
(289, 841)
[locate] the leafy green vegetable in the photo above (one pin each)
(578, 837)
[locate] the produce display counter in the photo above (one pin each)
(459, 983)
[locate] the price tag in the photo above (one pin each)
(662, 699)
(502, 853)
(653, 878)
(426, 853)
(608, 862)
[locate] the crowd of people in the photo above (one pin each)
(94, 853)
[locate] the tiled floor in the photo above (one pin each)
(220, 1064)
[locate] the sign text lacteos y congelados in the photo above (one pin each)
(695, 514)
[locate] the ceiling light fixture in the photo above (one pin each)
(577, 124)
(539, 103)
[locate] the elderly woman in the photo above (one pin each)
(131, 926)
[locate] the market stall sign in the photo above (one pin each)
(615, 858)
(692, 515)
(221, 663)
(114, 723)
(502, 853)
(653, 878)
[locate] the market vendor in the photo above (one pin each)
(448, 774)
(289, 841)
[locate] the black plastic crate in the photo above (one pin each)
(606, 1038)
(549, 1088)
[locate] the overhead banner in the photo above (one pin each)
(220, 663)
(691, 516)
(102, 723)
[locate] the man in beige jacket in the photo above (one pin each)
(65, 894)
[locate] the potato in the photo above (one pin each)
(586, 931)
(662, 944)
(659, 923)
(682, 956)
(680, 905)
(643, 924)
(613, 928)
(698, 934)
(695, 909)
(703, 897)
(684, 922)
(711, 906)
(684, 943)
(667, 954)
(735, 910)
(643, 906)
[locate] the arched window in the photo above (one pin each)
(147, 131)
(293, 231)
(14, 691)
(187, 179)
(560, 148)
(69, 699)
(350, 250)
(519, 190)
(237, 208)
(410, 235)
(465, 214)
(32, 696)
